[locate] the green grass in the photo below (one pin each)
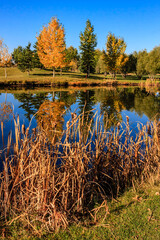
(134, 215)
(45, 76)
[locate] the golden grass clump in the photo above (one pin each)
(46, 185)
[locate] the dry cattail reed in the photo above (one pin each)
(53, 182)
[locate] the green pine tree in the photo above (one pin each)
(16, 54)
(88, 43)
(36, 60)
(25, 61)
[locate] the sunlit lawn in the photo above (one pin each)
(14, 74)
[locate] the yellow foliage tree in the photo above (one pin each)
(51, 45)
(5, 57)
(74, 65)
(114, 56)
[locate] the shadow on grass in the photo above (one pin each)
(42, 74)
(95, 77)
(128, 77)
(48, 73)
(121, 207)
(68, 74)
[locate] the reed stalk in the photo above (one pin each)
(52, 183)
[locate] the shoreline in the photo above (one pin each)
(66, 84)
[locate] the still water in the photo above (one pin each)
(140, 105)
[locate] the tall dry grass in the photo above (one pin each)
(46, 186)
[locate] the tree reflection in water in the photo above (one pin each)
(112, 102)
(50, 119)
(30, 102)
(5, 112)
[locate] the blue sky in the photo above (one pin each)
(138, 22)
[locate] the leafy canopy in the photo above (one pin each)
(153, 62)
(51, 45)
(5, 57)
(141, 63)
(114, 56)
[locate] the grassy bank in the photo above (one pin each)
(49, 185)
(133, 215)
(44, 78)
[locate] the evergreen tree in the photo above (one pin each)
(25, 62)
(16, 54)
(23, 57)
(88, 42)
(36, 60)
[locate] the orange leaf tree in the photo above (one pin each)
(5, 57)
(51, 45)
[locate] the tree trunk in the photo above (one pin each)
(114, 75)
(88, 71)
(53, 72)
(53, 96)
(5, 97)
(61, 71)
(5, 72)
(123, 75)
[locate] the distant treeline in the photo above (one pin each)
(50, 52)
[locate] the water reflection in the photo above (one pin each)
(113, 104)
(50, 118)
(30, 102)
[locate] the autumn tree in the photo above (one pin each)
(88, 42)
(124, 68)
(5, 57)
(114, 56)
(51, 45)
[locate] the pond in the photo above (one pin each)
(140, 105)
